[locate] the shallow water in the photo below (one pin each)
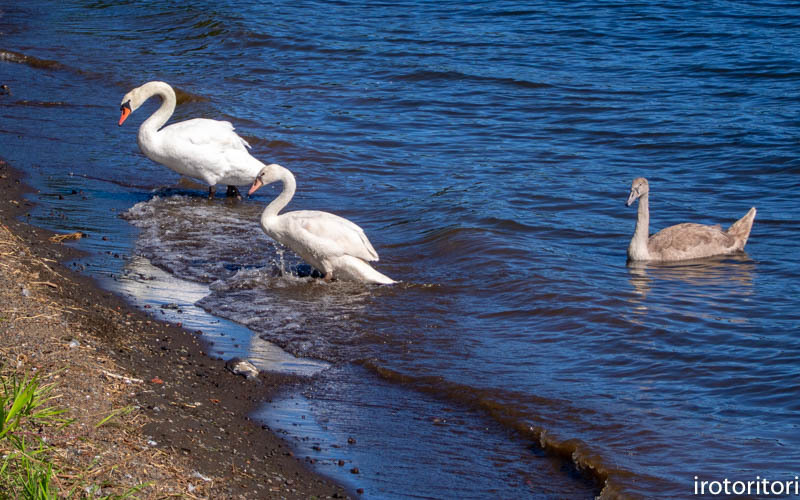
(487, 150)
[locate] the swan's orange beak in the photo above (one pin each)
(124, 115)
(126, 110)
(256, 185)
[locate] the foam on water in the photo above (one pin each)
(251, 279)
(175, 300)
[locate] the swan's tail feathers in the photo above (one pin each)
(355, 269)
(370, 275)
(381, 279)
(740, 230)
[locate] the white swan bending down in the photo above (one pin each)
(208, 150)
(332, 244)
(683, 241)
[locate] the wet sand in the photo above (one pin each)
(183, 422)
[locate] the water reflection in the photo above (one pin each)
(691, 282)
(173, 299)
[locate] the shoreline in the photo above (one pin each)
(189, 422)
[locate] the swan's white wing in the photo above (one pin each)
(209, 150)
(202, 132)
(330, 235)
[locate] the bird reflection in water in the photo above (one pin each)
(679, 287)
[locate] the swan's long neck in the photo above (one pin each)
(638, 247)
(157, 120)
(283, 199)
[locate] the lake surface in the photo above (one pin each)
(487, 149)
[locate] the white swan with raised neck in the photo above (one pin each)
(200, 148)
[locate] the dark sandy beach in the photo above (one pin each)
(182, 425)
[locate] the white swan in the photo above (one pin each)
(683, 241)
(332, 244)
(207, 150)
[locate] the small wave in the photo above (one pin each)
(11, 56)
(34, 62)
(47, 64)
(42, 104)
(757, 72)
(448, 76)
(184, 96)
(574, 453)
(509, 225)
(271, 144)
(453, 241)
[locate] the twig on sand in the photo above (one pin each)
(128, 380)
(48, 316)
(46, 283)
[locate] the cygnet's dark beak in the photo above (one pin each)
(632, 197)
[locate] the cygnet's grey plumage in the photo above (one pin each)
(683, 241)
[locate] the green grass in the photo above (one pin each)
(24, 398)
(27, 470)
(114, 414)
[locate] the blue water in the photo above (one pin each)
(487, 150)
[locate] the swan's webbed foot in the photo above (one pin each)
(233, 191)
(211, 191)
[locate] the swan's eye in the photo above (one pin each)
(126, 105)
